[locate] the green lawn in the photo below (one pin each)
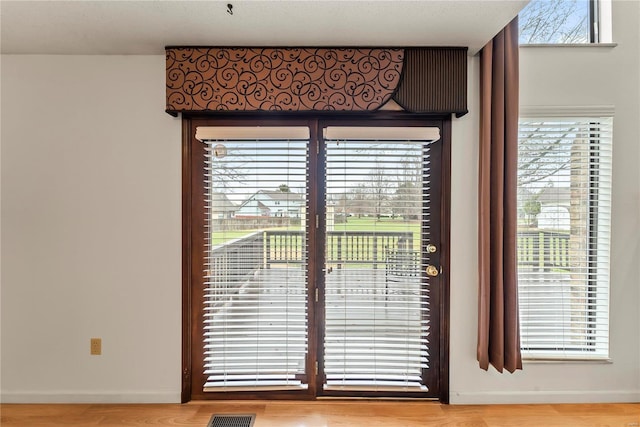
(382, 224)
(219, 237)
(352, 224)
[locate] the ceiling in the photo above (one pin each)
(146, 27)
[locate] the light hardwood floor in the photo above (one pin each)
(325, 413)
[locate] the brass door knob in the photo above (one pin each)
(431, 248)
(432, 270)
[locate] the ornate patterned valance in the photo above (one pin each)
(314, 79)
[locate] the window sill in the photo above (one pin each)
(532, 360)
(596, 45)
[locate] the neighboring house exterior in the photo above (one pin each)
(554, 208)
(221, 206)
(547, 208)
(271, 203)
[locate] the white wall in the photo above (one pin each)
(90, 178)
(0, 227)
(637, 209)
(559, 76)
(91, 205)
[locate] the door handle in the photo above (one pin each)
(432, 270)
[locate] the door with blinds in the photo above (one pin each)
(321, 260)
(255, 326)
(381, 261)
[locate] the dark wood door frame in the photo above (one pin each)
(193, 239)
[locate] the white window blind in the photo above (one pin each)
(377, 324)
(564, 215)
(255, 315)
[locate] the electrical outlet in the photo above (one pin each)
(96, 346)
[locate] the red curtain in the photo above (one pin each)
(498, 323)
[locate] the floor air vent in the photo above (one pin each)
(232, 421)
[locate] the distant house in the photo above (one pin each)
(554, 208)
(555, 196)
(272, 203)
(221, 206)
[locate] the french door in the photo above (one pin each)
(314, 255)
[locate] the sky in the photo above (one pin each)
(265, 165)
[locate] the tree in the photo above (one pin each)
(361, 202)
(284, 188)
(343, 204)
(544, 154)
(554, 21)
(407, 200)
(408, 196)
(531, 209)
(379, 190)
(225, 175)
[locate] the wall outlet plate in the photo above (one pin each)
(96, 346)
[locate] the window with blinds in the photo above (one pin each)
(377, 322)
(564, 204)
(255, 315)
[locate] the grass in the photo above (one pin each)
(219, 237)
(382, 224)
(352, 224)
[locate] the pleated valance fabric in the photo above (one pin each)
(421, 80)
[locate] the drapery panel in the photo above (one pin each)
(498, 324)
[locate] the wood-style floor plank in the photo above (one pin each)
(325, 413)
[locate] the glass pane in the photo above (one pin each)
(255, 319)
(555, 21)
(564, 193)
(376, 306)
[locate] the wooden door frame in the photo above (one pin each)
(193, 239)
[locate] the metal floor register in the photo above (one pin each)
(232, 421)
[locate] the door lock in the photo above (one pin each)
(432, 270)
(431, 249)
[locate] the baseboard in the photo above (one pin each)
(525, 397)
(84, 397)
(456, 398)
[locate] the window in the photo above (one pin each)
(564, 200)
(565, 22)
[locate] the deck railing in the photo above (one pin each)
(364, 248)
(234, 264)
(236, 260)
(543, 250)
